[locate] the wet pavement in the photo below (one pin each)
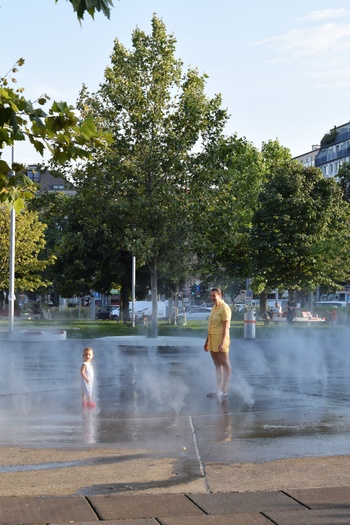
(287, 399)
(156, 450)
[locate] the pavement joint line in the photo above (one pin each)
(188, 496)
(201, 465)
(268, 518)
(93, 508)
(296, 500)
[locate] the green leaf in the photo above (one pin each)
(19, 205)
(4, 169)
(88, 128)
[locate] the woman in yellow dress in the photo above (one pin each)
(218, 341)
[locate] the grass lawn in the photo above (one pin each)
(87, 329)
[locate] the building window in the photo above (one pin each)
(35, 176)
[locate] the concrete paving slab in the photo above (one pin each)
(323, 498)
(281, 474)
(35, 472)
(145, 521)
(311, 517)
(236, 519)
(34, 510)
(143, 506)
(231, 503)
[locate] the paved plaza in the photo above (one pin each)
(158, 450)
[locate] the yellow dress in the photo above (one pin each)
(219, 314)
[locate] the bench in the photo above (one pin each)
(308, 322)
(305, 318)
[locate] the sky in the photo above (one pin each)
(282, 68)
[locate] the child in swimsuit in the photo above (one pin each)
(87, 378)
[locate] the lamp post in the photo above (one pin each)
(133, 284)
(11, 297)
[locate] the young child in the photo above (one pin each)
(87, 378)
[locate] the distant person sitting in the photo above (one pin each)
(278, 309)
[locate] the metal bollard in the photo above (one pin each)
(249, 324)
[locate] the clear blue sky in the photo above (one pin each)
(283, 68)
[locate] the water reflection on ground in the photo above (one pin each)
(288, 398)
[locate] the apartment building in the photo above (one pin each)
(308, 159)
(333, 151)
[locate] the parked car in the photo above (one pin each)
(240, 307)
(197, 314)
(104, 312)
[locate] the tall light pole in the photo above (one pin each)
(133, 286)
(11, 297)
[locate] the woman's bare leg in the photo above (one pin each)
(226, 369)
(222, 369)
(218, 371)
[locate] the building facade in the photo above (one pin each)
(308, 159)
(47, 182)
(332, 152)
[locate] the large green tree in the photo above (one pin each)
(224, 197)
(161, 120)
(300, 232)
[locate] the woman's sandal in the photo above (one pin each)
(212, 394)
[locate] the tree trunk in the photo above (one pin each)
(124, 297)
(263, 303)
(154, 289)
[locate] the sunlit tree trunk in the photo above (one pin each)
(154, 325)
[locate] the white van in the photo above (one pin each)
(331, 304)
(141, 308)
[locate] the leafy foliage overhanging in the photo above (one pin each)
(59, 130)
(90, 6)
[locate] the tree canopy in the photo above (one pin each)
(30, 241)
(224, 196)
(161, 120)
(343, 177)
(300, 231)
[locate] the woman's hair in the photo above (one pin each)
(217, 290)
